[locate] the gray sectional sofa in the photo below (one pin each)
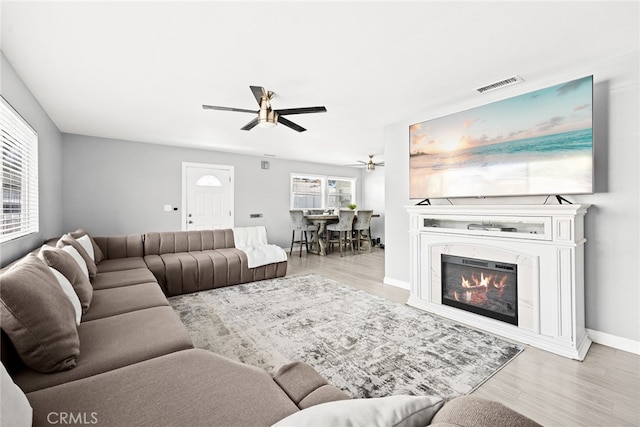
(114, 353)
(184, 262)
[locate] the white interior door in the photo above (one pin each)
(207, 196)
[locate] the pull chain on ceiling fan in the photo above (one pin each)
(267, 117)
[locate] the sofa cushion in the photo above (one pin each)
(63, 262)
(37, 317)
(158, 243)
(305, 386)
(124, 246)
(397, 411)
(76, 257)
(187, 388)
(96, 252)
(118, 264)
(68, 291)
(114, 279)
(114, 301)
(67, 240)
(86, 245)
(184, 272)
(326, 393)
(268, 271)
(114, 342)
(298, 379)
(14, 406)
(472, 411)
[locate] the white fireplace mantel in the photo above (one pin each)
(546, 242)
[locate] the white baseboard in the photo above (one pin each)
(624, 344)
(397, 283)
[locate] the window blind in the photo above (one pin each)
(19, 175)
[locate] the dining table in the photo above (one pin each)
(318, 245)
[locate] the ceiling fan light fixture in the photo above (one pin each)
(267, 124)
(370, 166)
(267, 118)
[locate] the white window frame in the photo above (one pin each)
(19, 170)
(325, 190)
(353, 182)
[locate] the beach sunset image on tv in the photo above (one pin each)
(538, 143)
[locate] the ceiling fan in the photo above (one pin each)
(267, 117)
(368, 166)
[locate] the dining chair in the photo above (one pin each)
(301, 224)
(344, 228)
(362, 228)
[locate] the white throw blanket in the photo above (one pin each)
(253, 242)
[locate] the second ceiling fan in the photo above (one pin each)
(268, 117)
(368, 166)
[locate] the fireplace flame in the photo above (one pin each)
(465, 283)
(500, 285)
(474, 289)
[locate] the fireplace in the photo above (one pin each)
(484, 287)
(541, 247)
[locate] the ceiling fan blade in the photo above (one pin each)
(303, 110)
(258, 93)
(290, 124)
(250, 125)
(238, 110)
(379, 164)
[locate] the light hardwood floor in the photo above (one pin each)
(603, 390)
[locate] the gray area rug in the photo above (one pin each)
(366, 345)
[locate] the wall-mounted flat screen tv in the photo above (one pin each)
(538, 143)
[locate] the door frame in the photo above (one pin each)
(227, 168)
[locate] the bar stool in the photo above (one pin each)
(344, 228)
(362, 228)
(301, 224)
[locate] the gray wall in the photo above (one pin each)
(612, 223)
(49, 162)
(120, 187)
(373, 198)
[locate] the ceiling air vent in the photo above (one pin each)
(502, 83)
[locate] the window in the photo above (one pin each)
(321, 192)
(209, 181)
(19, 175)
(341, 192)
(307, 192)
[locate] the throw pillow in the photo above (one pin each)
(77, 258)
(98, 256)
(64, 262)
(37, 317)
(397, 411)
(69, 293)
(87, 246)
(14, 406)
(67, 240)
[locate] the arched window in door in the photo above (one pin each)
(208, 181)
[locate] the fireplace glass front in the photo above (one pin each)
(484, 287)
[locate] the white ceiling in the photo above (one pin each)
(141, 71)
